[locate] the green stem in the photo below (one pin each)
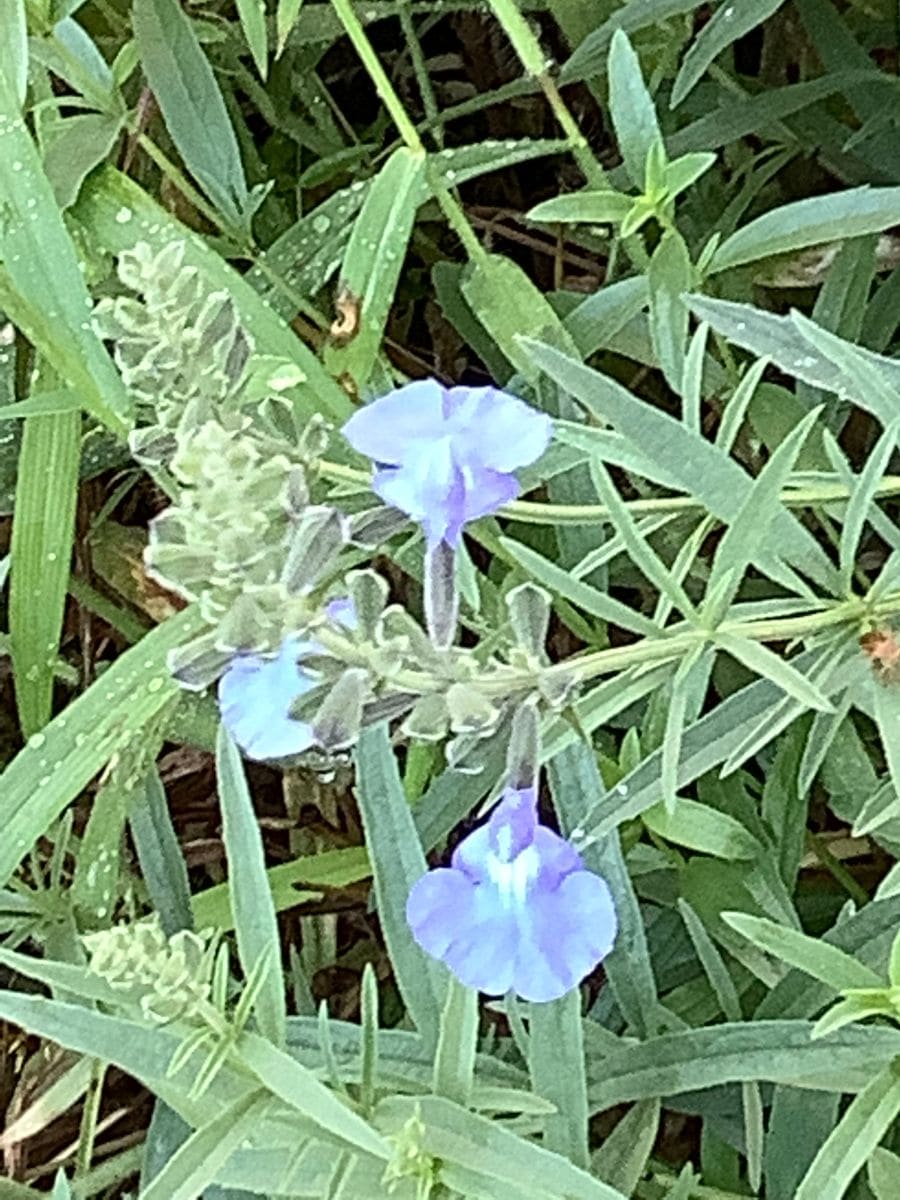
(578, 143)
(837, 869)
(377, 73)
(89, 1119)
(538, 513)
(450, 206)
(423, 79)
(672, 646)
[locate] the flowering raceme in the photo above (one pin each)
(516, 909)
(256, 694)
(447, 455)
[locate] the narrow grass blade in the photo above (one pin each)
(854, 1138)
(254, 913)
(454, 1061)
(373, 261)
(397, 863)
(43, 532)
(556, 1063)
(42, 288)
(60, 760)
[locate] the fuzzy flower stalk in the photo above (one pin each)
(447, 456)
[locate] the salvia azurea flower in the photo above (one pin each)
(516, 910)
(256, 694)
(445, 456)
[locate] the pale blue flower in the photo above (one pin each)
(257, 691)
(446, 456)
(516, 910)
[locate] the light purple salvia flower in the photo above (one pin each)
(516, 910)
(257, 691)
(446, 456)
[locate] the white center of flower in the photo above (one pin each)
(512, 879)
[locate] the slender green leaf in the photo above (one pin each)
(41, 285)
(810, 222)
(588, 208)
(631, 107)
(331, 868)
(43, 531)
(159, 854)
(521, 35)
(508, 304)
(556, 1062)
(589, 60)
(591, 600)
(822, 961)
(576, 785)
(58, 762)
(712, 962)
(763, 661)
(191, 102)
(197, 1162)
(306, 255)
(466, 1142)
(729, 22)
(854, 1138)
(373, 260)
(621, 1160)
(252, 15)
(799, 1122)
(780, 339)
(863, 500)
(14, 48)
(702, 828)
(886, 706)
(454, 1060)
(299, 1087)
(884, 1174)
(746, 539)
(777, 1051)
(99, 858)
(669, 277)
(702, 470)
(286, 15)
(251, 899)
(398, 862)
(74, 147)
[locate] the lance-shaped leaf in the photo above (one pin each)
(192, 104)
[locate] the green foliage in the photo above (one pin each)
(221, 229)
